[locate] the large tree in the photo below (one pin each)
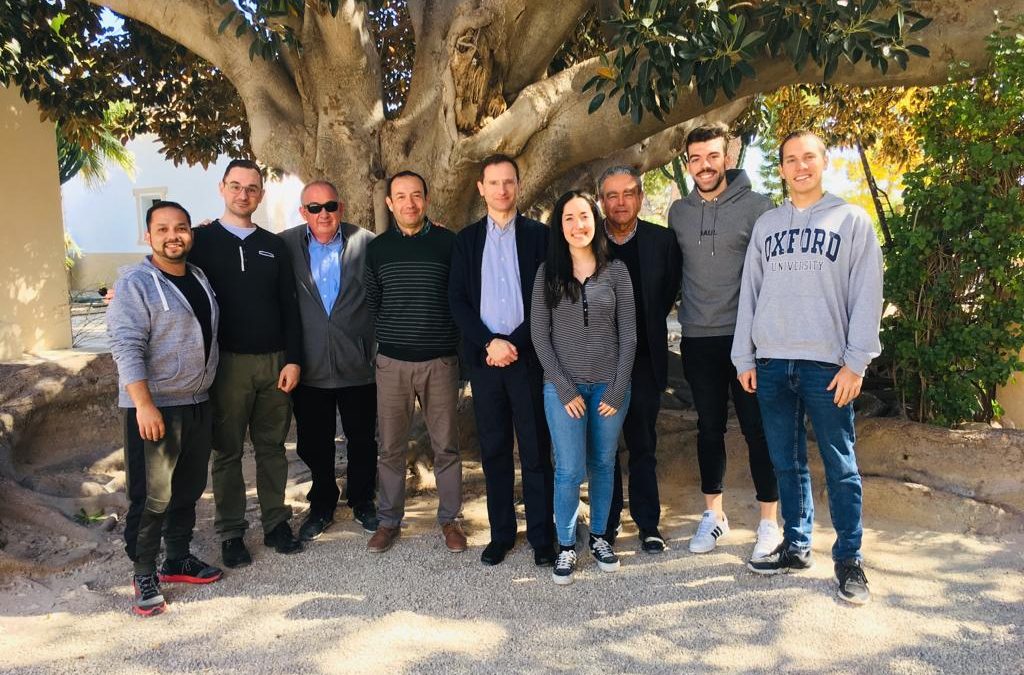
(354, 91)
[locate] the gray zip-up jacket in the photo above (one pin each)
(155, 336)
(338, 343)
(713, 237)
(812, 287)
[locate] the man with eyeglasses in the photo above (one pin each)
(329, 259)
(260, 341)
(652, 257)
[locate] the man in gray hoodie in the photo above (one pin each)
(162, 325)
(712, 225)
(806, 330)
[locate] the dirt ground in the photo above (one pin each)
(946, 599)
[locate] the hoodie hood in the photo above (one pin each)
(737, 185)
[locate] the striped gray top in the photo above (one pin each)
(589, 341)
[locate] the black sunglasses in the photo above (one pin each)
(315, 208)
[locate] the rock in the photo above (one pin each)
(109, 523)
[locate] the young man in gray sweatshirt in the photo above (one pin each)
(712, 225)
(807, 328)
(162, 324)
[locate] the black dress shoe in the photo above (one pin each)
(314, 525)
(282, 540)
(366, 515)
(495, 552)
(544, 556)
(234, 553)
(651, 541)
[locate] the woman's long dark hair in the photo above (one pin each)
(559, 281)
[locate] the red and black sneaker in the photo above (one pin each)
(189, 570)
(149, 601)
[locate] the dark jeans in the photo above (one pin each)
(165, 479)
(316, 428)
(788, 391)
(505, 399)
(708, 368)
(641, 436)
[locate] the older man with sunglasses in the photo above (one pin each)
(338, 345)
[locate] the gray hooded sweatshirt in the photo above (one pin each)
(713, 236)
(812, 287)
(155, 336)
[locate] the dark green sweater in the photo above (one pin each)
(407, 292)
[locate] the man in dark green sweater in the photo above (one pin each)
(406, 283)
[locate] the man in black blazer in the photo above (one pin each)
(493, 266)
(652, 256)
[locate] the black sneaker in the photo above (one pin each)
(565, 565)
(188, 570)
(782, 560)
(315, 525)
(149, 601)
(282, 540)
(366, 515)
(853, 584)
(651, 541)
(603, 553)
(234, 553)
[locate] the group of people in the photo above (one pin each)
(226, 329)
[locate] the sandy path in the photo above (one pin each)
(943, 602)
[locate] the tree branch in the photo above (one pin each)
(534, 30)
(550, 117)
(272, 102)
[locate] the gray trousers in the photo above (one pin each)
(399, 384)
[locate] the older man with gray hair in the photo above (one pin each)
(652, 257)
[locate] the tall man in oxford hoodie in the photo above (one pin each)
(807, 328)
(260, 352)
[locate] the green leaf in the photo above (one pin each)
(595, 103)
(919, 50)
(227, 21)
(751, 38)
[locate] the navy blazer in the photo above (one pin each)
(464, 285)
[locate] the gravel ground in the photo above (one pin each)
(943, 602)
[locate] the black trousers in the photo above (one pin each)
(641, 438)
(708, 368)
(165, 479)
(315, 429)
(505, 399)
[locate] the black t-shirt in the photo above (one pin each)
(629, 253)
(196, 296)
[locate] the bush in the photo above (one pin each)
(955, 272)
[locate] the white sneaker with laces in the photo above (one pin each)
(768, 538)
(708, 532)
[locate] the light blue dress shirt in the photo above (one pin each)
(501, 291)
(325, 265)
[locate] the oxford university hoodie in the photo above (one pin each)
(812, 287)
(155, 336)
(713, 236)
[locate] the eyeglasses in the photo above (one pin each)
(315, 208)
(250, 190)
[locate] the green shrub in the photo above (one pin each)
(955, 272)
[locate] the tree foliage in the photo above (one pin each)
(956, 272)
(663, 46)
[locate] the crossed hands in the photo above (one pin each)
(501, 353)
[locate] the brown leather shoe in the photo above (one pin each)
(454, 538)
(383, 539)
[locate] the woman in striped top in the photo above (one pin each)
(583, 325)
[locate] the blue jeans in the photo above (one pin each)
(585, 446)
(786, 390)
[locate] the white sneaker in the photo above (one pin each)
(768, 538)
(708, 532)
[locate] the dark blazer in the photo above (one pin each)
(660, 275)
(338, 344)
(464, 285)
